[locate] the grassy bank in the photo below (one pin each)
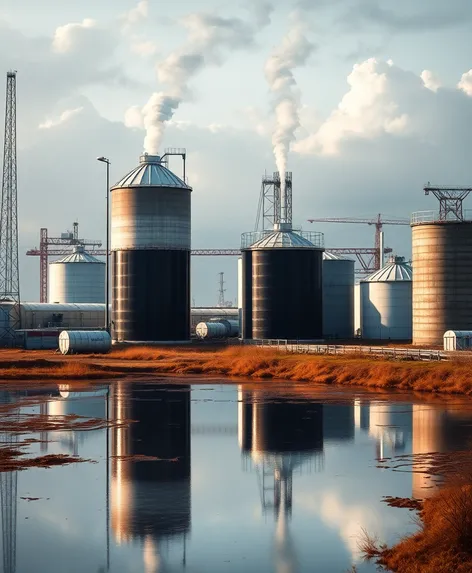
(453, 377)
(444, 541)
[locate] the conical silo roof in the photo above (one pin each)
(395, 270)
(79, 255)
(151, 173)
(329, 256)
(283, 240)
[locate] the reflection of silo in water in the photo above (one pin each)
(437, 429)
(338, 422)
(150, 500)
(390, 424)
(88, 404)
(362, 414)
(279, 437)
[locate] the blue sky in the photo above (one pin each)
(369, 130)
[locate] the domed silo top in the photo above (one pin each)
(329, 256)
(281, 240)
(151, 173)
(395, 270)
(79, 255)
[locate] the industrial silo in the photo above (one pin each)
(150, 241)
(386, 312)
(77, 278)
(338, 296)
(442, 284)
(282, 277)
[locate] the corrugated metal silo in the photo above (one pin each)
(77, 278)
(150, 236)
(338, 296)
(386, 299)
(442, 284)
(282, 286)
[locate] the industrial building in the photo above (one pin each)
(282, 277)
(385, 298)
(338, 296)
(150, 244)
(77, 278)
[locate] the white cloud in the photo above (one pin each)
(367, 110)
(144, 48)
(134, 117)
(466, 83)
(68, 36)
(138, 13)
(430, 80)
(65, 117)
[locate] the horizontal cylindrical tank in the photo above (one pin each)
(219, 328)
(84, 342)
(386, 312)
(338, 296)
(150, 237)
(77, 278)
(442, 283)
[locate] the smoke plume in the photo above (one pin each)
(210, 39)
(293, 52)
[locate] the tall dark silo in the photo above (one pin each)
(150, 242)
(282, 277)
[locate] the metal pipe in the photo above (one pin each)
(107, 256)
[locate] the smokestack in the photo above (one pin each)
(292, 53)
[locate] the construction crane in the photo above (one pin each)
(378, 222)
(44, 252)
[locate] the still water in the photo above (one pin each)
(250, 478)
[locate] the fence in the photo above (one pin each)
(334, 349)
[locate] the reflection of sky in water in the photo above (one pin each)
(210, 514)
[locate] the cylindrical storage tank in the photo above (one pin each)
(150, 241)
(338, 296)
(209, 330)
(386, 312)
(84, 342)
(77, 278)
(442, 284)
(286, 295)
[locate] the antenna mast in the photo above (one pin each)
(9, 270)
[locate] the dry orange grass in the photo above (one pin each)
(453, 377)
(449, 377)
(444, 542)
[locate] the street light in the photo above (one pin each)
(107, 269)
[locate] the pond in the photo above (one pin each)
(250, 477)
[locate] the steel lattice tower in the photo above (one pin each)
(9, 271)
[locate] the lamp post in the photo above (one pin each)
(107, 265)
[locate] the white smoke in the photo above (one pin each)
(292, 53)
(210, 39)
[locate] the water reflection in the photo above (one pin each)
(151, 500)
(296, 503)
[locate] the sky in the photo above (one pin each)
(363, 100)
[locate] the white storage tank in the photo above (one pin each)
(84, 342)
(77, 278)
(338, 296)
(386, 302)
(457, 340)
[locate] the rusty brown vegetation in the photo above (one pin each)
(451, 377)
(444, 541)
